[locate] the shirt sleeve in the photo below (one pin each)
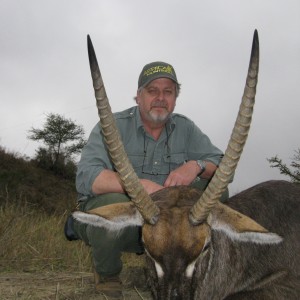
(94, 159)
(200, 146)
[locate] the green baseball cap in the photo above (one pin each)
(156, 70)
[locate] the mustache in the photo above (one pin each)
(162, 104)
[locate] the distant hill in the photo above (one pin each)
(24, 184)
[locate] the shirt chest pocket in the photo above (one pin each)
(175, 160)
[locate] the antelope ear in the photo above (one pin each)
(113, 217)
(240, 227)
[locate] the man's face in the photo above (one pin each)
(157, 100)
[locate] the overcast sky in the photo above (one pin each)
(44, 67)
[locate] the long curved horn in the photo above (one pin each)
(132, 185)
(224, 173)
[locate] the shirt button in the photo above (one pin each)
(155, 162)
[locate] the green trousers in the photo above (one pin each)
(107, 247)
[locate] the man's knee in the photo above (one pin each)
(102, 200)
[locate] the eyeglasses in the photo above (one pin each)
(168, 155)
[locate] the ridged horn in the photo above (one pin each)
(132, 185)
(224, 173)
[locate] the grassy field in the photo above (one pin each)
(36, 260)
(32, 240)
(34, 204)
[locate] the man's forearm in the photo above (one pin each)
(209, 171)
(107, 181)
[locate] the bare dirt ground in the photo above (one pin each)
(63, 286)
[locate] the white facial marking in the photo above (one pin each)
(190, 269)
(159, 270)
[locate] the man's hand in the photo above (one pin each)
(187, 173)
(150, 186)
(184, 175)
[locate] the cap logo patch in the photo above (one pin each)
(158, 69)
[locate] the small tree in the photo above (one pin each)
(63, 139)
(293, 172)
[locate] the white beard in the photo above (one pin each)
(158, 118)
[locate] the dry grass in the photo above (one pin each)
(32, 240)
(36, 260)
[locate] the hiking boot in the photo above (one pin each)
(109, 286)
(70, 234)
